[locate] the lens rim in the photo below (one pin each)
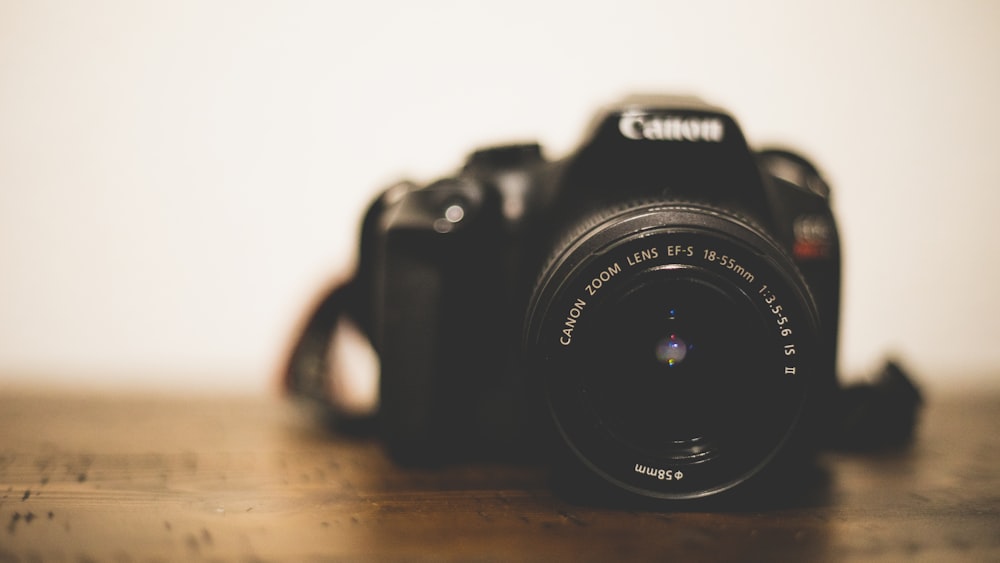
(684, 236)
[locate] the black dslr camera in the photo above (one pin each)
(659, 308)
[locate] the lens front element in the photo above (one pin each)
(662, 393)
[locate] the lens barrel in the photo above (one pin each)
(675, 344)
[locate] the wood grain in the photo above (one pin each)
(134, 478)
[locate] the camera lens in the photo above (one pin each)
(674, 343)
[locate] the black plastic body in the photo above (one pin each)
(452, 268)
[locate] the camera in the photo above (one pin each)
(656, 313)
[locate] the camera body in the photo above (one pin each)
(662, 304)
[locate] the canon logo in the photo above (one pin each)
(640, 126)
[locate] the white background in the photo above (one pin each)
(179, 180)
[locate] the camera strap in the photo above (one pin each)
(318, 370)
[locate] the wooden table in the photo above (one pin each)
(140, 478)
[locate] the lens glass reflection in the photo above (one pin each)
(671, 350)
